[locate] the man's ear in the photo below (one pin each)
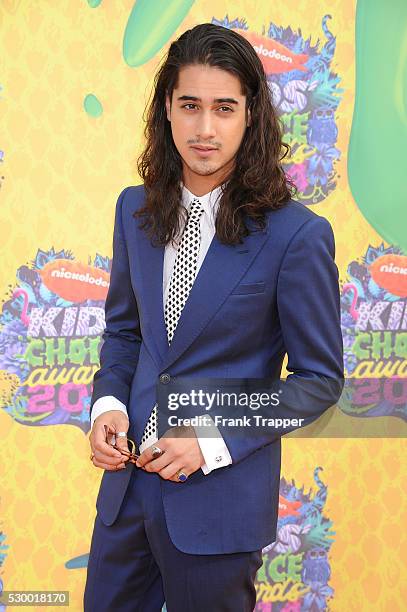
(168, 107)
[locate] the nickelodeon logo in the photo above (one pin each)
(261, 50)
(75, 281)
(390, 272)
(84, 278)
(275, 57)
(394, 269)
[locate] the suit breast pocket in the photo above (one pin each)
(249, 288)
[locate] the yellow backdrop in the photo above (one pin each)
(71, 102)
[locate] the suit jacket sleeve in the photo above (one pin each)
(308, 305)
(122, 335)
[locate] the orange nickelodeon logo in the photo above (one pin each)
(74, 281)
(390, 272)
(275, 57)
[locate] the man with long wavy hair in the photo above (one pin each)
(217, 273)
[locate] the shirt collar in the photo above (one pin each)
(209, 201)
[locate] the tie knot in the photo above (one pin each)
(195, 211)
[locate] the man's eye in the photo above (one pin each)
(224, 107)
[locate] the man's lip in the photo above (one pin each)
(203, 148)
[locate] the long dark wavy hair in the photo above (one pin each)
(257, 182)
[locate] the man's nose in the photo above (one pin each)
(205, 128)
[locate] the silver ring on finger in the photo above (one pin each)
(156, 451)
(121, 434)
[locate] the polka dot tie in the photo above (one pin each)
(181, 281)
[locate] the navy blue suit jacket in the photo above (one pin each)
(250, 304)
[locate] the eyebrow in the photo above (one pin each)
(216, 100)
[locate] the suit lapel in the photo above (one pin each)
(151, 265)
(220, 271)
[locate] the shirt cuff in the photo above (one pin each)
(103, 404)
(213, 447)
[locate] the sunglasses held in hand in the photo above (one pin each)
(131, 455)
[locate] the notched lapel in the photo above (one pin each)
(151, 260)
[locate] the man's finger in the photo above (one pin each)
(147, 455)
(108, 466)
(170, 474)
(108, 460)
(157, 464)
(99, 441)
(121, 442)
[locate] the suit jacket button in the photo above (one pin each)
(165, 378)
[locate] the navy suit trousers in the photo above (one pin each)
(134, 566)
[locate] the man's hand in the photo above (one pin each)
(105, 456)
(181, 452)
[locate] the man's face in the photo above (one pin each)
(207, 110)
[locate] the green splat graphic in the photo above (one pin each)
(377, 160)
(150, 26)
(92, 106)
(94, 3)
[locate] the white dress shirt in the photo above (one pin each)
(214, 449)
